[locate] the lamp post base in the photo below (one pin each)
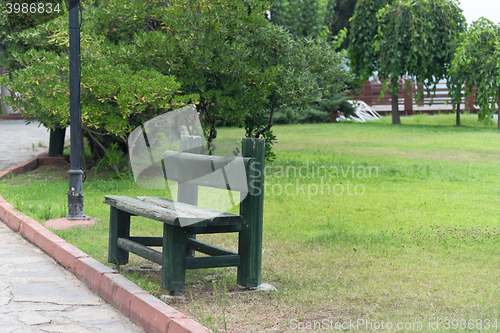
(77, 217)
(75, 196)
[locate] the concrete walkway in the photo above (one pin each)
(45, 287)
(19, 142)
(38, 295)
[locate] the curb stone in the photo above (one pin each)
(33, 163)
(29, 165)
(141, 307)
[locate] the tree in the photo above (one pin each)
(413, 38)
(115, 98)
(239, 64)
(476, 62)
(19, 16)
(325, 19)
(364, 26)
(145, 58)
(310, 20)
(338, 14)
(303, 18)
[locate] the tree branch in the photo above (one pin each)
(113, 166)
(269, 125)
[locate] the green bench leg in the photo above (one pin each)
(252, 209)
(250, 245)
(119, 227)
(173, 270)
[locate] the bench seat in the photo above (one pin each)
(168, 211)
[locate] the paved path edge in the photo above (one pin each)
(29, 165)
(33, 163)
(141, 307)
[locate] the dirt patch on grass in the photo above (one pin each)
(337, 285)
(219, 304)
(222, 306)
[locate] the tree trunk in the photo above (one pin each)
(395, 109)
(56, 141)
(458, 113)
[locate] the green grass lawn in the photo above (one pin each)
(369, 222)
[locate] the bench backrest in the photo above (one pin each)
(244, 174)
(224, 172)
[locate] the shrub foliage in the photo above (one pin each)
(147, 57)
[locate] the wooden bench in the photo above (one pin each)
(182, 220)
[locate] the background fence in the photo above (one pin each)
(440, 102)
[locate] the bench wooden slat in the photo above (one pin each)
(213, 217)
(214, 230)
(140, 250)
(148, 241)
(140, 208)
(209, 249)
(215, 261)
(167, 211)
(205, 170)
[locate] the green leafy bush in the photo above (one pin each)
(115, 98)
(145, 58)
(319, 112)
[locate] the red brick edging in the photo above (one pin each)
(143, 308)
(14, 116)
(33, 163)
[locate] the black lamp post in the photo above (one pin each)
(75, 193)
